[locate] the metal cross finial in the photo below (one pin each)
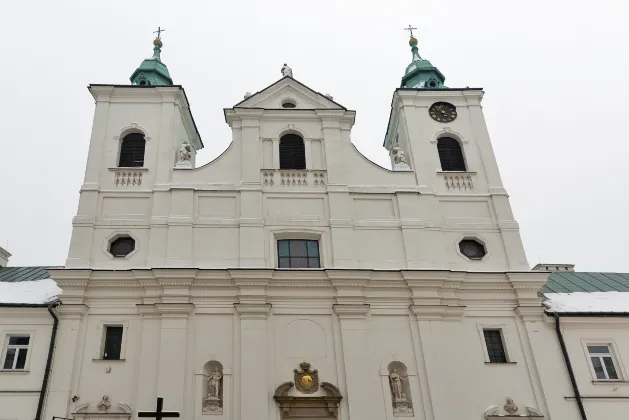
(160, 30)
(410, 29)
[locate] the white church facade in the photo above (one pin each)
(291, 277)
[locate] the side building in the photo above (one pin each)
(28, 326)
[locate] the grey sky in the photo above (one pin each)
(554, 73)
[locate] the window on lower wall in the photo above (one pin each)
(113, 342)
(602, 361)
(495, 346)
(298, 253)
(15, 352)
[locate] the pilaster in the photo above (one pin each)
(171, 379)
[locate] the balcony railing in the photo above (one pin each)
(293, 178)
(128, 177)
(458, 181)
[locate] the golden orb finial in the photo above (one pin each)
(412, 41)
(157, 43)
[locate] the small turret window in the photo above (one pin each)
(450, 154)
(292, 152)
(132, 151)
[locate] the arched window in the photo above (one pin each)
(292, 152)
(450, 154)
(132, 151)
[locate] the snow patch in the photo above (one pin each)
(587, 302)
(31, 292)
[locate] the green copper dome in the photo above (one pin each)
(421, 73)
(152, 71)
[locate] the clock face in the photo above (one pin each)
(442, 112)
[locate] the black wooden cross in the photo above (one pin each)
(158, 414)
(160, 30)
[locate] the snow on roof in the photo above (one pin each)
(581, 302)
(30, 292)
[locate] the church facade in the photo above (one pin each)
(293, 278)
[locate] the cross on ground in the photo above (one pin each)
(158, 414)
(410, 29)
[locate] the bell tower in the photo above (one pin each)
(443, 135)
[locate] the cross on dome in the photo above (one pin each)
(410, 29)
(160, 30)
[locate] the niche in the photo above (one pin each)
(400, 389)
(213, 388)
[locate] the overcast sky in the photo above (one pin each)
(554, 73)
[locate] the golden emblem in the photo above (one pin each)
(306, 379)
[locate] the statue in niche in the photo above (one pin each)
(398, 156)
(185, 152)
(213, 401)
(396, 384)
(287, 71)
(401, 404)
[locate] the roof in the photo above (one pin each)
(572, 281)
(16, 274)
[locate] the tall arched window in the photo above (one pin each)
(292, 152)
(450, 154)
(132, 151)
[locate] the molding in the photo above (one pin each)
(253, 310)
(175, 308)
(438, 312)
(351, 311)
(530, 313)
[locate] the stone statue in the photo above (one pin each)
(215, 383)
(104, 404)
(510, 406)
(396, 384)
(398, 156)
(287, 71)
(185, 152)
(212, 403)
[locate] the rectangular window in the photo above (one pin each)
(495, 346)
(15, 352)
(602, 362)
(298, 253)
(113, 342)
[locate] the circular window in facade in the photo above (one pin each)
(289, 103)
(122, 246)
(472, 249)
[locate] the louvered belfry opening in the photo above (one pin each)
(132, 151)
(292, 152)
(450, 154)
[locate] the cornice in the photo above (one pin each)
(530, 313)
(438, 312)
(351, 311)
(253, 310)
(72, 311)
(174, 309)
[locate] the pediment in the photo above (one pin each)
(288, 88)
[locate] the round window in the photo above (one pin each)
(472, 249)
(289, 103)
(122, 246)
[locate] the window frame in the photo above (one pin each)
(122, 140)
(118, 234)
(504, 336)
(102, 334)
(612, 353)
(276, 234)
(307, 257)
(460, 144)
(6, 346)
(279, 151)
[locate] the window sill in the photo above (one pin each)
(503, 363)
(129, 168)
(23, 371)
(456, 172)
(609, 382)
(109, 360)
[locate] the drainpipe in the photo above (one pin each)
(51, 349)
(566, 359)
